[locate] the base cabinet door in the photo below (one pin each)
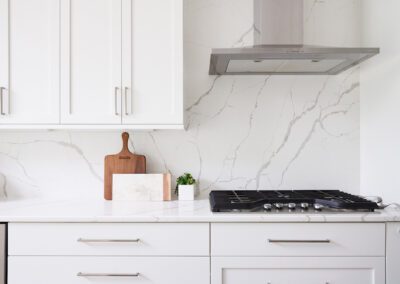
(108, 270)
(392, 253)
(299, 270)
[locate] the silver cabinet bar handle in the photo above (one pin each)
(116, 100)
(299, 241)
(1, 101)
(83, 274)
(126, 101)
(108, 240)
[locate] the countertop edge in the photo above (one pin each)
(198, 211)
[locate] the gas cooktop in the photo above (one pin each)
(289, 201)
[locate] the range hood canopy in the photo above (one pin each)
(279, 49)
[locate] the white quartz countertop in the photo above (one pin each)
(172, 211)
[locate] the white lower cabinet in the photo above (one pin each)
(298, 270)
(393, 253)
(108, 270)
(203, 253)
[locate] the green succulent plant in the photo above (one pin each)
(185, 179)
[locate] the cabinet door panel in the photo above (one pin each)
(281, 270)
(91, 61)
(392, 253)
(152, 61)
(3, 44)
(30, 45)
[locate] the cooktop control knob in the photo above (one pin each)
(268, 206)
(278, 205)
(304, 205)
(318, 206)
(292, 206)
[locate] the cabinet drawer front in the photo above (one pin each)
(109, 239)
(299, 270)
(298, 239)
(138, 270)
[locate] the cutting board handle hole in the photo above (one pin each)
(124, 158)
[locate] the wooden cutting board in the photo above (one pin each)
(124, 162)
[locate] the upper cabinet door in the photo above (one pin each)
(3, 52)
(152, 62)
(90, 62)
(29, 61)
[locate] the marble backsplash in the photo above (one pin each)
(243, 132)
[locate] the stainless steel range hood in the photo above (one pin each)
(279, 49)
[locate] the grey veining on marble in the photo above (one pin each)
(243, 132)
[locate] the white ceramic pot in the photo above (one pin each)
(186, 192)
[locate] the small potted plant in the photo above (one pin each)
(185, 187)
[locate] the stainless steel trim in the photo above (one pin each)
(3, 253)
(126, 101)
(220, 57)
(116, 100)
(1, 101)
(82, 240)
(285, 44)
(70, 102)
(300, 241)
(83, 274)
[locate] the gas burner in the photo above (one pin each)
(289, 201)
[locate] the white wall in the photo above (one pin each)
(380, 101)
(243, 132)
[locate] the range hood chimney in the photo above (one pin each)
(278, 47)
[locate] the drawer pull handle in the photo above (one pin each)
(1, 101)
(107, 241)
(82, 274)
(300, 241)
(116, 89)
(126, 101)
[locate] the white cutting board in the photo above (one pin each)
(141, 187)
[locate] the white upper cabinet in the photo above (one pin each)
(29, 62)
(91, 62)
(152, 62)
(3, 53)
